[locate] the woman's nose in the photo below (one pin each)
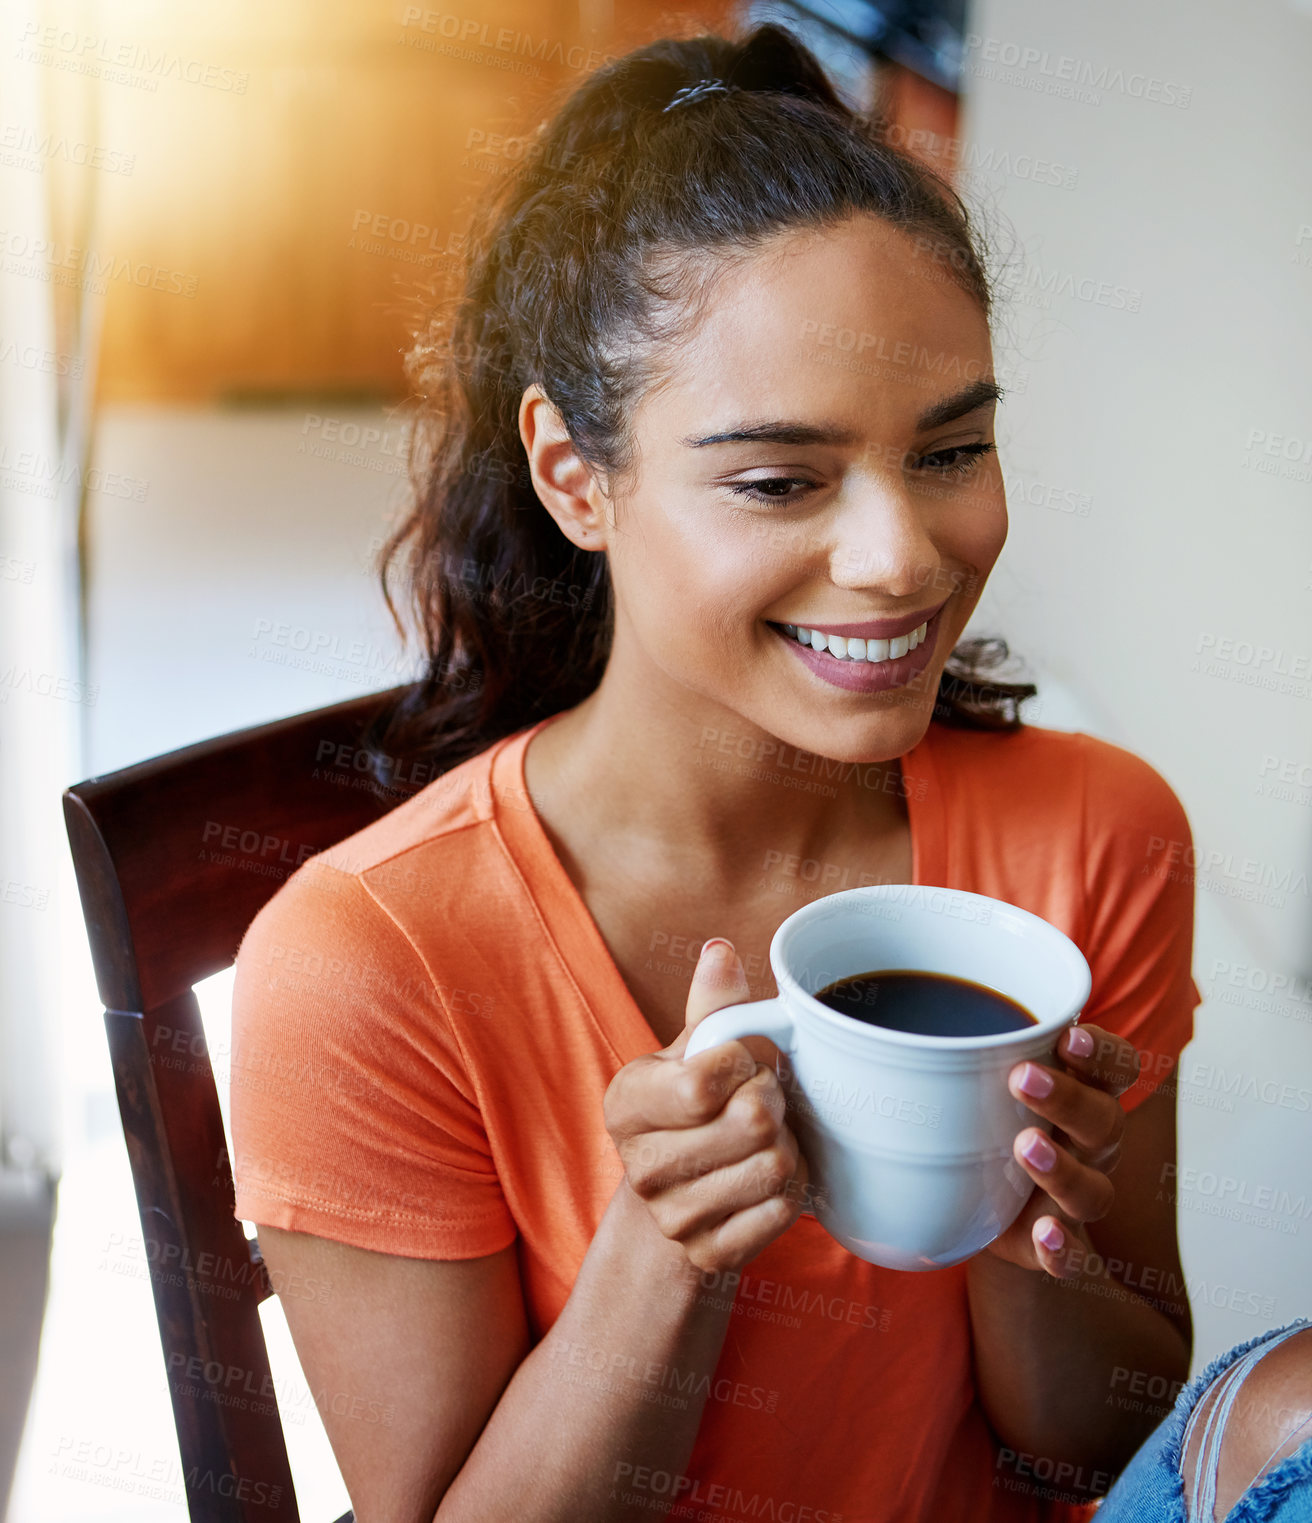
(883, 545)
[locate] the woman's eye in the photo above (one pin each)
(959, 460)
(770, 488)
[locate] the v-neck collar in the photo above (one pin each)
(569, 923)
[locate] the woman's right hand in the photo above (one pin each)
(704, 1142)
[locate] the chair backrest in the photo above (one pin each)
(174, 857)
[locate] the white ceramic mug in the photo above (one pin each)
(909, 1138)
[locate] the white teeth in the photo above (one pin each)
(859, 650)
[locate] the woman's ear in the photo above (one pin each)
(565, 483)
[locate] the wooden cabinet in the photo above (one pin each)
(278, 186)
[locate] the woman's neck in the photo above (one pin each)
(679, 780)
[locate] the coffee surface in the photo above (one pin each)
(926, 1004)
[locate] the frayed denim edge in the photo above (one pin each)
(1272, 1488)
(1260, 1502)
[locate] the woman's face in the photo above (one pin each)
(818, 456)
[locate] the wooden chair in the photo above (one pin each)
(174, 857)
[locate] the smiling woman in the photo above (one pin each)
(624, 220)
(665, 547)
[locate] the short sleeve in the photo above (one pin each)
(351, 1110)
(1139, 901)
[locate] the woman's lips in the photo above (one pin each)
(866, 676)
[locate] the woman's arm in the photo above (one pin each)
(598, 1419)
(1058, 1354)
(482, 1427)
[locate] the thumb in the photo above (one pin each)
(719, 979)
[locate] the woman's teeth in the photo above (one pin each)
(859, 650)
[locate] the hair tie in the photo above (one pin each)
(689, 93)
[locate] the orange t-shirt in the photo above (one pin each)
(426, 1018)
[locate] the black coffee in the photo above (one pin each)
(928, 1004)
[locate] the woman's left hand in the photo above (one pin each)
(1070, 1168)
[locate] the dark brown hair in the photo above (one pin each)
(576, 271)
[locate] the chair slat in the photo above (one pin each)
(174, 858)
(176, 855)
(230, 1438)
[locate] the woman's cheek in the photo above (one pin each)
(978, 535)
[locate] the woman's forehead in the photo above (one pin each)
(838, 322)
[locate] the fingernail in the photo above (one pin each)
(1079, 1042)
(1035, 1080)
(716, 950)
(1053, 1238)
(1039, 1151)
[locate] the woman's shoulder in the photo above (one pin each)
(1034, 768)
(356, 899)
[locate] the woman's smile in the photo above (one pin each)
(864, 665)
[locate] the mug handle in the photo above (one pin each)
(761, 1017)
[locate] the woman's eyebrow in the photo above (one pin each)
(977, 394)
(784, 431)
(777, 431)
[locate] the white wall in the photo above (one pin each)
(1161, 291)
(229, 574)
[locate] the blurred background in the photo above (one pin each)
(218, 225)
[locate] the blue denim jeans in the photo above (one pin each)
(1151, 1488)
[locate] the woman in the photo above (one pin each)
(706, 499)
